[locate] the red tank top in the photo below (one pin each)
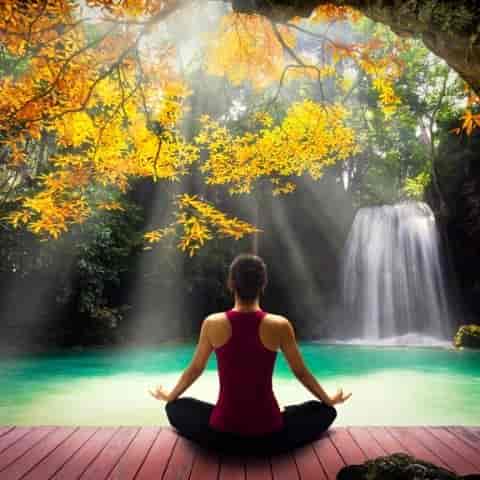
(246, 404)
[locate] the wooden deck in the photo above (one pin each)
(154, 453)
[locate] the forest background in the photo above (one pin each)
(142, 149)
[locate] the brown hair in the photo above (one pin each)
(247, 276)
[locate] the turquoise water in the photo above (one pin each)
(390, 385)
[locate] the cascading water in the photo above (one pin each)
(393, 280)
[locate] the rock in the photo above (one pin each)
(399, 466)
(467, 336)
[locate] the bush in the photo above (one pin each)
(467, 336)
(398, 466)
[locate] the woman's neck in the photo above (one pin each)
(246, 307)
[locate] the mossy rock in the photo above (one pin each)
(399, 466)
(467, 336)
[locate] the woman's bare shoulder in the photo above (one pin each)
(276, 320)
(217, 317)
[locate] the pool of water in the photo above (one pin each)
(390, 385)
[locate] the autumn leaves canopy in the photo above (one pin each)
(92, 97)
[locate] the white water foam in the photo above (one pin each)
(407, 340)
(393, 283)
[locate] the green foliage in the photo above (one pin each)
(93, 261)
(467, 336)
(206, 272)
(449, 16)
(415, 187)
(399, 152)
(104, 247)
(11, 65)
(397, 466)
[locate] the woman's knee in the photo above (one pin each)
(327, 416)
(188, 412)
(327, 413)
(332, 411)
(171, 409)
(322, 407)
(175, 409)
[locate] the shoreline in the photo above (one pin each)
(39, 349)
(9, 351)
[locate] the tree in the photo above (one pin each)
(448, 29)
(399, 153)
(105, 104)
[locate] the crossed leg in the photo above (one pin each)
(303, 423)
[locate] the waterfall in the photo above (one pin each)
(393, 282)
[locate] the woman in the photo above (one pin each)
(246, 417)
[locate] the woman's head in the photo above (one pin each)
(247, 276)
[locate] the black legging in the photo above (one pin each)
(303, 423)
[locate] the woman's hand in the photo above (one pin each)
(160, 393)
(339, 397)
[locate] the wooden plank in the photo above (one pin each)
(159, 455)
(367, 443)
(131, 461)
(232, 468)
(455, 462)
(328, 456)
(56, 459)
(206, 465)
(308, 465)
(181, 463)
(405, 436)
(151, 453)
(79, 462)
(475, 430)
(36, 454)
(453, 442)
(389, 443)
(467, 436)
(283, 467)
(24, 444)
(472, 431)
(106, 460)
(258, 468)
(5, 429)
(347, 447)
(12, 436)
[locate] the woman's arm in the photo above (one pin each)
(289, 347)
(193, 371)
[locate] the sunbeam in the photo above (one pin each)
(213, 211)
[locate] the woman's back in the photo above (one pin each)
(246, 403)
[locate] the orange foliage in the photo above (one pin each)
(309, 138)
(132, 8)
(246, 48)
(329, 12)
(197, 220)
(470, 120)
(84, 92)
(105, 111)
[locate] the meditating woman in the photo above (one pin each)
(247, 418)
